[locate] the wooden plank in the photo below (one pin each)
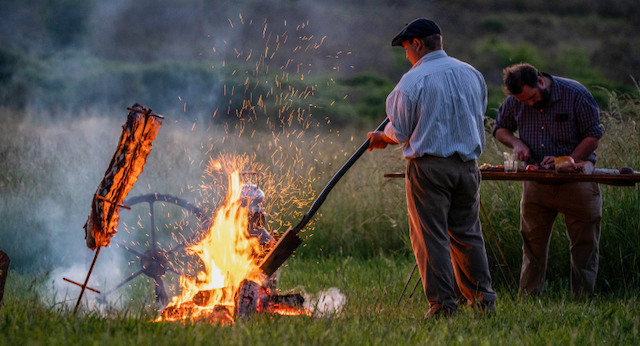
(550, 176)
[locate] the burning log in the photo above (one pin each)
(206, 298)
(231, 285)
(190, 310)
(249, 299)
(253, 298)
(131, 153)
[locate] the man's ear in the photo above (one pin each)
(541, 82)
(418, 42)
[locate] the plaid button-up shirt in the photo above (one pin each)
(571, 115)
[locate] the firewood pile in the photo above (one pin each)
(250, 299)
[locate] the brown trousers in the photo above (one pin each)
(443, 203)
(581, 205)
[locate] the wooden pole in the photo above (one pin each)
(84, 286)
(79, 284)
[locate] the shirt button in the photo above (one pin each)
(542, 145)
(543, 127)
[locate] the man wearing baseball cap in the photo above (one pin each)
(437, 112)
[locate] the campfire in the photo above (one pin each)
(237, 258)
(231, 284)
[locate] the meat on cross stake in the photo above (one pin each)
(134, 145)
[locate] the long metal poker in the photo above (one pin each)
(290, 241)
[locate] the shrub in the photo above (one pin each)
(19, 73)
(493, 24)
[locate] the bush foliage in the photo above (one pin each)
(61, 56)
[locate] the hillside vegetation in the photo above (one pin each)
(178, 56)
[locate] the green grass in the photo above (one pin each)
(51, 167)
(358, 241)
(371, 316)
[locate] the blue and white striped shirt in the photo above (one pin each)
(571, 115)
(438, 108)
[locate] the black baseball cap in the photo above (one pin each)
(418, 28)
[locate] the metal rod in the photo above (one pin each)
(414, 287)
(79, 284)
(133, 276)
(141, 255)
(288, 243)
(407, 284)
(513, 280)
(154, 246)
(145, 112)
(325, 192)
(110, 201)
(86, 280)
(495, 239)
(171, 268)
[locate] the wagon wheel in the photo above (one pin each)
(154, 262)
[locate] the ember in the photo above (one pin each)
(231, 285)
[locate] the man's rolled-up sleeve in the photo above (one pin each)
(588, 118)
(506, 118)
(401, 115)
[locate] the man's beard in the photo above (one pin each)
(545, 95)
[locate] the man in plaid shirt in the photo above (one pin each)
(554, 117)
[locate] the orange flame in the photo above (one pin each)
(228, 254)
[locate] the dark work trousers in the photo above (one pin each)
(443, 203)
(581, 205)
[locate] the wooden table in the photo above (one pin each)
(550, 176)
(545, 176)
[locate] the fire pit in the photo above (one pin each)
(232, 285)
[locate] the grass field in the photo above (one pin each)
(358, 242)
(371, 316)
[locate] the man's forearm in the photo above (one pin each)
(584, 149)
(507, 138)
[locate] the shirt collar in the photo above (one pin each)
(555, 91)
(436, 54)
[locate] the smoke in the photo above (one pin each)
(327, 303)
(58, 291)
(50, 171)
(187, 61)
(177, 56)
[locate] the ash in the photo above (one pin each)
(325, 303)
